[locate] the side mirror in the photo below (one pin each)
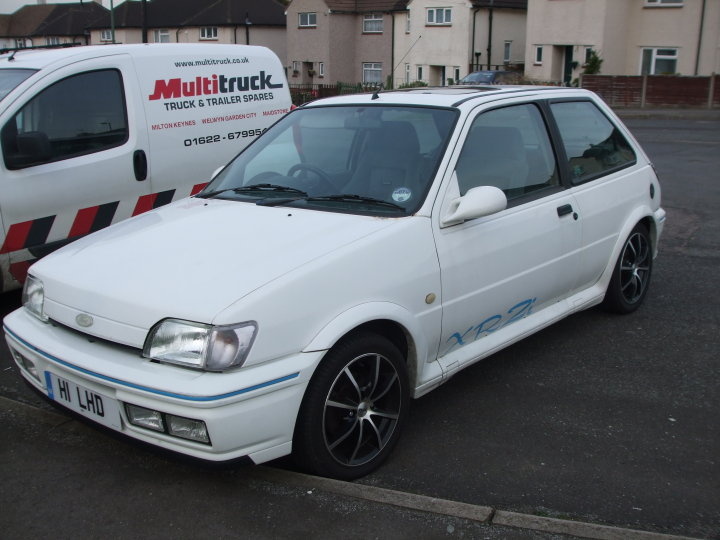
(216, 172)
(477, 202)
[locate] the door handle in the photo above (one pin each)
(140, 165)
(566, 209)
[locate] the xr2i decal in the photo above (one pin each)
(491, 324)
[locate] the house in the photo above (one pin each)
(254, 22)
(341, 40)
(50, 24)
(441, 42)
(633, 37)
(407, 40)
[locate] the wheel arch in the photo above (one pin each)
(391, 321)
(644, 216)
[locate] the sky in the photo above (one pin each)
(10, 6)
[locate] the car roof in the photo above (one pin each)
(449, 96)
(40, 58)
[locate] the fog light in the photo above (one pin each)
(27, 364)
(147, 418)
(195, 430)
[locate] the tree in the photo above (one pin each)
(592, 66)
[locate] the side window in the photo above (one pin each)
(594, 146)
(508, 148)
(79, 115)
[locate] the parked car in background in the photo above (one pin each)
(360, 253)
(93, 135)
(492, 77)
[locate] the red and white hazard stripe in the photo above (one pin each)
(22, 237)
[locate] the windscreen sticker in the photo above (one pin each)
(402, 194)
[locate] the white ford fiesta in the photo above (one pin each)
(358, 254)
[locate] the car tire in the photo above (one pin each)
(631, 275)
(353, 409)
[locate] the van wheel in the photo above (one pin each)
(631, 276)
(353, 409)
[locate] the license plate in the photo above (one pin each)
(97, 407)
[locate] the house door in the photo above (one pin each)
(437, 75)
(567, 65)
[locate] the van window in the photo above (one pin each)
(79, 115)
(10, 78)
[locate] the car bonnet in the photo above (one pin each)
(188, 260)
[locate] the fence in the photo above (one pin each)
(655, 90)
(302, 93)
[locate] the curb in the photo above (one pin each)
(421, 503)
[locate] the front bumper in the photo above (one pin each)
(248, 412)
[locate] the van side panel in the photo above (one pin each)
(188, 109)
(204, 107)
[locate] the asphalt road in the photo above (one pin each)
(601, 418)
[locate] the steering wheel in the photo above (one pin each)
(263, 176)
(325, 181)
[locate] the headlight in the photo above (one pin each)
(33, 297)
(213, 348)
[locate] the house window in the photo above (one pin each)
(506, 52)
(457, 74)
(208, 32)
(307, 20)
(659, 62)
(419, 73)
(407, 73)
(439, 16)
(373, 23)
(54, 40)
(407, 23)
(673, 3)
(163, 36)
(588, 54)
(321, 69)
(106, 35)
(372, 73)
(538, 55)
(20, 43)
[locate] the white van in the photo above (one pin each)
(93, 135)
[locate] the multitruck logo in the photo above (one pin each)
(215, 85)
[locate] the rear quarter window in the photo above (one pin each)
(593, 144)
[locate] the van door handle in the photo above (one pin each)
(140, 165)
(566, 209)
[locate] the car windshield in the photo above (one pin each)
(10, 78)
(478, 77)
(373, 160)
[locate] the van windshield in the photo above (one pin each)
(365, 159)
(10, 78)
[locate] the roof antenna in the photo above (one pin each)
(376, 94)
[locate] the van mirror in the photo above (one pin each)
(477, 202)
(216, 172)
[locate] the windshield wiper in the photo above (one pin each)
(270, 187)
(262, 188)
(347, 197)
